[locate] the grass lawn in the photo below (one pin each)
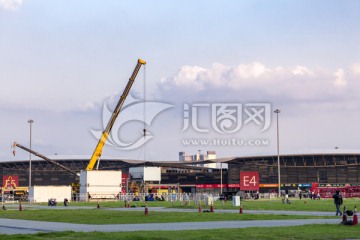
(308, 232)
(105, 215)
(326, 205)
(101, 216)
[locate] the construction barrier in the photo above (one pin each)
(146, 209)
(344, 216)
(355, 217)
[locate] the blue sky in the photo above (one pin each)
(62, 60)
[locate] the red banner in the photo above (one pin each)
(234, 185)
(210, 185)
(124, 179)
(249, 181)
(10, 181)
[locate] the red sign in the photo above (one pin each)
(10, 182)
(249, 181)
(234, 185)
(124, 179)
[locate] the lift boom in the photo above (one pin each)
(45, 158)
(98, 150)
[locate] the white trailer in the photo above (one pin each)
(40, 194)
(145, 173)
(100, 184)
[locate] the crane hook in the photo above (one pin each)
(14, 146)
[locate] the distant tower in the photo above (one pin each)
(185, 158)
(182, 156)
(211, 155)
(198, 156)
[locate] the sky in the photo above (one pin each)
(215, 73)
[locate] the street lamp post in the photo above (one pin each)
(30, 122)
(221, 178)
(277, 111)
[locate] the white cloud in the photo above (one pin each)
(301, 70)
(238, 77)
(253, 70)
(11, 5)
(340, 80)
(355, 68)
(197, 78)
(256, 80)
(188, 76)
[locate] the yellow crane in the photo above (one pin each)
(99, 147)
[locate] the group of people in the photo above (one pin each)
(314, 195)
(52, 202)
(311, 195)
(150, 197)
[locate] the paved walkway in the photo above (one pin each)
(12, 226)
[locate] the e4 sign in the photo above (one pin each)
(249, 181)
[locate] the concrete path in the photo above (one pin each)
(11, 226)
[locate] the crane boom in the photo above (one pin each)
(98, 150)
(45, 158)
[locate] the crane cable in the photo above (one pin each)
(144, 113)
(144, 116)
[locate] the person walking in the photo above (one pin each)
(338, 201)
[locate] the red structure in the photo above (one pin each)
(328, 190)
